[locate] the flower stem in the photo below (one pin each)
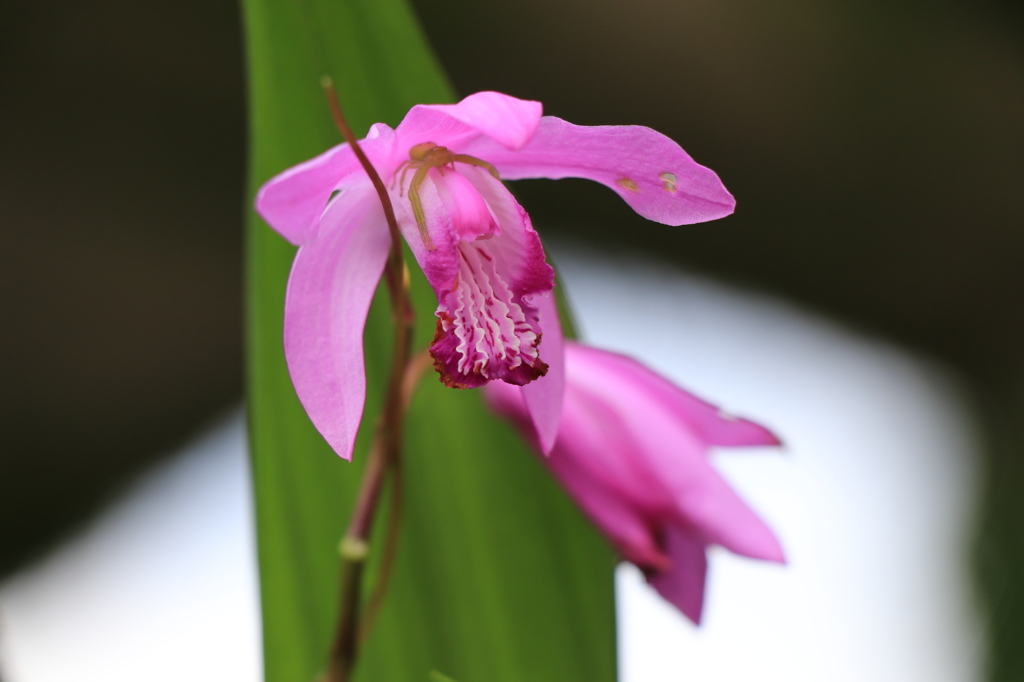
(395, 267)
(414, 371)
(386, 450)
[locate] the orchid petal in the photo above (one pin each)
(671, 451)
(293, 201)
(623, 523)
(330, 288)
(509, 121)
(713, 425)
(706, 502)
(633, 455)
(597, 434)
(649, 171)
(683, 584)
(543, 397)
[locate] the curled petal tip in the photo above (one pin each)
(509, 121)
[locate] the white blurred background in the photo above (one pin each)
(872, 498)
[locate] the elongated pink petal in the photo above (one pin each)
(683, 584)
(544, 396)
(648, 170)
(708, 504)
(332, 283)
(506, 120)
(712, 425)
(293, 201)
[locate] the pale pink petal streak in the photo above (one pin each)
(713, 425)
(649, 171)
(441, 263)
(332, 283)
(705, 501)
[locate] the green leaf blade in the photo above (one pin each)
(498, 576)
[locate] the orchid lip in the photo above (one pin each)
(483, 331)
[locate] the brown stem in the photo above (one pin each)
(413, 373)
(387, 443)
(387, 561)
(395, 267)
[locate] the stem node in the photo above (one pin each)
(354, 549)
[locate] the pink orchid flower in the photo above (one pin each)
(631, 450)
(472, 239)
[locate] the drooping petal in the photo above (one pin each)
(599, 436)
(293, 201)
(544, 396)
(683, 583)
(671, 454)
(649, 171)
(330, 288)
(508, 121)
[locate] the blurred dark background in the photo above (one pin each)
(876, 150)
